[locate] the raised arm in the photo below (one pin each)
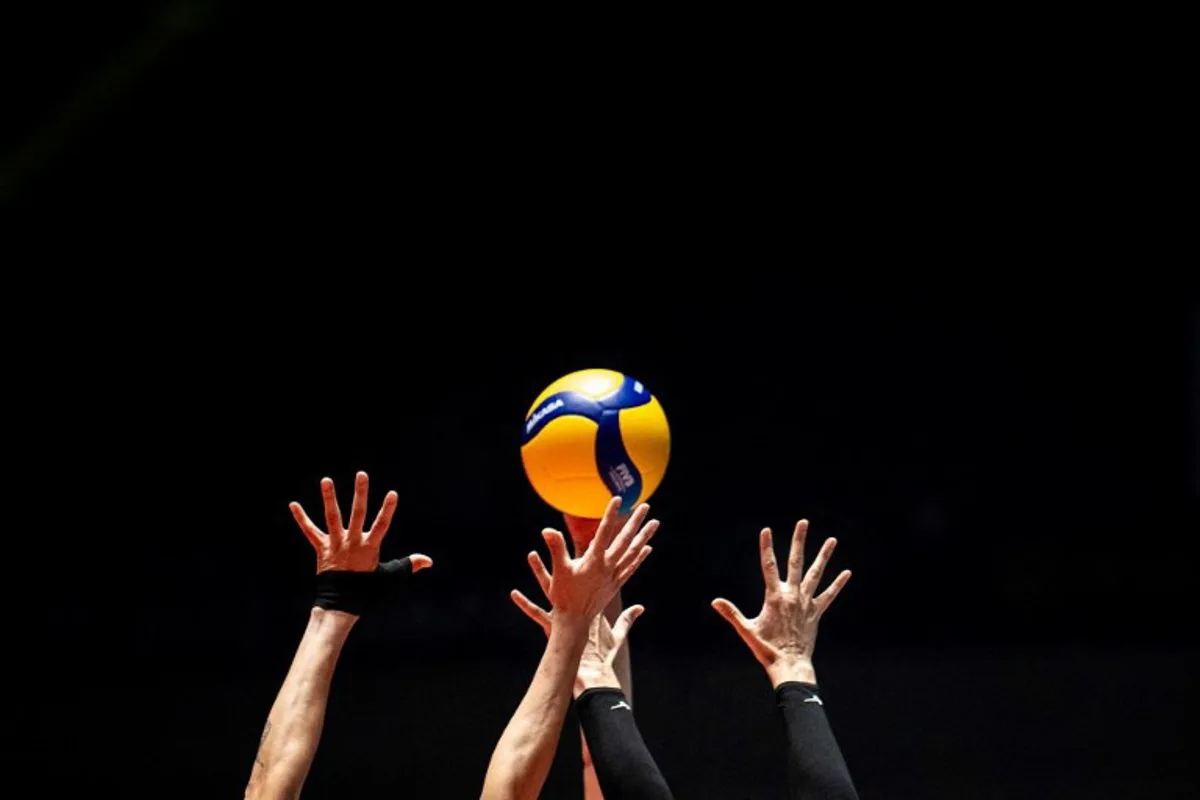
(621, 763)
(782, 638)
(582, 530)
(350, 580)
(578, 588)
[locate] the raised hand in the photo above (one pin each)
(578, 589)
(350, 581)
(784, 633)
(351, 549)
(582, 586)
(597, 665)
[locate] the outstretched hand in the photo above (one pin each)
(581, 587)
(597, 665)
(784, 634)
(351, 549)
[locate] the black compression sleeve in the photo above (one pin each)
(816, 769)
(624, 767)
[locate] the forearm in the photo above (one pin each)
(622, 665)
(816, 769)
(623, 765)
(294, 724)
(526, 749)
(624, 674)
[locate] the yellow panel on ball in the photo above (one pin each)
(592, 383)
(647, 439)
(561, 464)
(593, 434)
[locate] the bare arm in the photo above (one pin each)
(525, 751)
(293, 728)
(579, 589)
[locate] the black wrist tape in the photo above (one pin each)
(360, 592)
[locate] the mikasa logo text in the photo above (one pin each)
(541, 412)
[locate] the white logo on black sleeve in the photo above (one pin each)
(814, 699)
(621, 704)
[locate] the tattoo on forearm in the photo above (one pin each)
(262, 740)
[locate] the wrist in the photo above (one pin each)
(329, 621)
(571, 622)
(596, 677)
(799, 670)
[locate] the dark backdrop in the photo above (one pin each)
(331, 245)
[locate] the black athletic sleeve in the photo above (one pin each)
(624, 767)
(816, 769)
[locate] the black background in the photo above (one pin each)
(895, 305)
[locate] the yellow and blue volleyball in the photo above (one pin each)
(591, 435)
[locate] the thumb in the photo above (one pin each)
(531, 610)
(406, 566)
(625, 622)
(731, 614)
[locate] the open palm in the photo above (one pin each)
(784, 633)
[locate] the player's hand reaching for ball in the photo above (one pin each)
(784, 633)
(581, 587)
(351, 548)
(349, 576)
(597, 665)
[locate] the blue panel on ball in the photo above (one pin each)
(614, 464)
(630, 394)
(560, 405)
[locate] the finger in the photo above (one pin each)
(812, 580)
(558, 549)
(621, 544)
(610, 525)
(826, 597)
(358, 511)
(310, 530)
(766, 552)
(627, 573)
(740, 624)
(795, 570)
(419, 562)
(625, 622)
(732, 615)
(383, 520)
(531, 610)
(643, 538)
(539, 572)
(333, 514)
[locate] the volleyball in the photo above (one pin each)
(591, 435)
